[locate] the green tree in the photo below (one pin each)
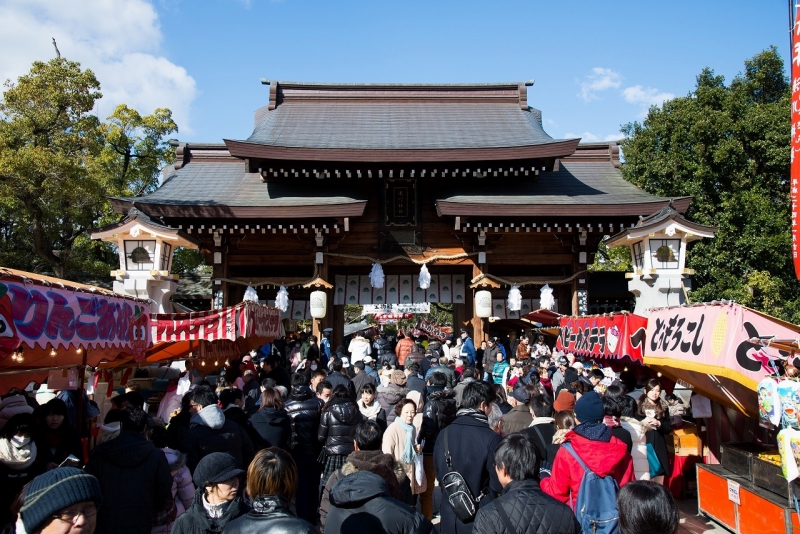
(59, 163)
(612, 259)
(728, 146)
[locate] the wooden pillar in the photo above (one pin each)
(219, 288)
(337, 323)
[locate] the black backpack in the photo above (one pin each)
(456, 489)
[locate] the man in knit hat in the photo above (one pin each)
(592, 441)
(64, 499)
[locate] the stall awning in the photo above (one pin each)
(48, 323)
(543, 316)
(215, 334)
(615, 336)
(720, 349)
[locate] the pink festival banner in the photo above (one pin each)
(715, 340)
(795, 159)
(36, 314)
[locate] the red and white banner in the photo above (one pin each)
(247, 319)
(431, 330)
(795, 160)
(615, 336)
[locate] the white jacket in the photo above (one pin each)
(639, 451)
(359, 347)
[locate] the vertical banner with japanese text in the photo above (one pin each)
(795, 161)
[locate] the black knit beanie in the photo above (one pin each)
(56, 490)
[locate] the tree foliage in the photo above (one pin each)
(59, 164)
(728, 147)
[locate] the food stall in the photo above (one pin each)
(723, 350)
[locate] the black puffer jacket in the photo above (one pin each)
(337, 427)
(360, 503)
(388, 396)
(135, 482)
(439, 411)
(273, 428)
(490, 358)
(527, 507)
(304, 413)
(196, 520)
(338, 379)
(270, 515)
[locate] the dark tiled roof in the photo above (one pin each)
(583, 185)
(654, 220)
(226, 188)
(391, 126)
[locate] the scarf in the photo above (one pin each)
(370, 412)
(594, 431)
(558, 437)
(409, 454)
(214, 511)
(610, 421)
(17, 453)
(475, 414)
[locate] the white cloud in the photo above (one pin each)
(600, 79)
(589, 137)
(117, 39)
(645, 96)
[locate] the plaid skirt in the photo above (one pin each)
(333, 463)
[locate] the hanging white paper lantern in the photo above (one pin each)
(318, 304)
(424, 277)
(483, 303)
(514, 299)
(282, 299)
(376, 277)
(546, 300)
(250, 294)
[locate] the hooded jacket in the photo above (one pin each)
(388, 396)
(182, 484)
(209, 432)
(358, 348)
(304, 414)
(273, 428)
(403, 349)
(529, 507)
(373, 461)
(196, 520)
(603, 458)
(337, 427)
(135, 481)
(361, 503)
(11, 406)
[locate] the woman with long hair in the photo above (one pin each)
(271, 485)
(337, 427)
(654, 414)
(565, 421)
(55, 440)
(271, 423)
(18, 464)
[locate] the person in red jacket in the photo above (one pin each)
(404, 346)
(592, 440)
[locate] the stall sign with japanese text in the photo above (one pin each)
(615, 336)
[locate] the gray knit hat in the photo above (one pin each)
(56, 490)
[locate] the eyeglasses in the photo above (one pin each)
(71, 516)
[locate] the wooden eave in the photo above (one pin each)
(243, 149)
(491, 209)
(311, 211)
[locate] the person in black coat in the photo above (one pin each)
(361, 377)
(613, 411)
(271, 483)
(337, 427)
(437, 413)
(179, 423)
(217, 481)
(55, 439)
(414, 382)
(361, 503)
(472, 444)
(338, 377)
(528, 510)
(251, 390)
(304, 413)
(18, 462)
(209, 431)
(271, 368)
(271, 423)
(134, 477)
(543, 427)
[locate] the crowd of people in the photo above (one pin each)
(382, 436)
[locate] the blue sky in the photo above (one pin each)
(597, 65)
